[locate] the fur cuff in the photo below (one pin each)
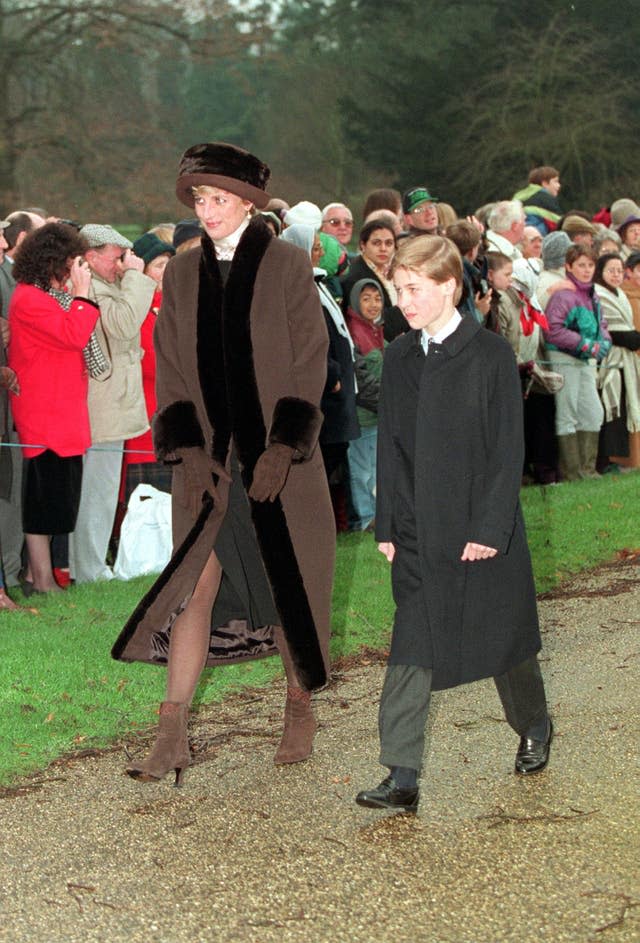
(176, 427)
(296, 423)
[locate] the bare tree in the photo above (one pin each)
(553, 100)
(80, 93)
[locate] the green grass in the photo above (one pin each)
(61, 691)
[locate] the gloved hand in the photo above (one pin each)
(271, 472)
(197, 478)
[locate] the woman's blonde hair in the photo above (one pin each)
(434, 256)
(164, 232)
(446, 214)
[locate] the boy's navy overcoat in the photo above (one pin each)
(450, 458)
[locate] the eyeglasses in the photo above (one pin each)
(423, 208)
(334, 221)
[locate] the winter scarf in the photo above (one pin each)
(620, 365)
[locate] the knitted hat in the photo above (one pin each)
(149, 247)
(186, 229)
(304, 212)
(98, 235)
(224, 166)
(415, 197)
(576, 224)
(621, 209)
(334, 258)
(554, 249)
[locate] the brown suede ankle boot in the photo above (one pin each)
(299, 728)
(171, 749)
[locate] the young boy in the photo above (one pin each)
(448, 519)
(540, 199)
(364, 321)
(578, 338)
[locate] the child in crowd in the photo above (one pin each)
(504, 299)
(448, 519)
(540, 199)
(577, 339)
(364, 320)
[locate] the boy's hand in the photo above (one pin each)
(477, 552)
(388, 550)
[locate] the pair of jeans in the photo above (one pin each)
(362, 476)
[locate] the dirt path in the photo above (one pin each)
(249, 852)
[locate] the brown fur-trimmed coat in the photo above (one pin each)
(245, 364)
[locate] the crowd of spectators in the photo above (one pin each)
(77, 362)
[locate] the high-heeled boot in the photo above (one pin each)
(299, 728)
(171, 749)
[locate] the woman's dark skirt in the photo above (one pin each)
(614, 436)
(51, 493)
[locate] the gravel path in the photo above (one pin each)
(252, 853)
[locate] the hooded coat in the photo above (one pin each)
(241, 364)
(450, 455)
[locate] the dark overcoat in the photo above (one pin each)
(241, 364)
(338, 408)
(450, 455)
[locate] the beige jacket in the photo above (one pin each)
(116, 404)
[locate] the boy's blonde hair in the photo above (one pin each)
(434, 256)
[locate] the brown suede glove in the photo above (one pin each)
(197, 478)
(271, 472)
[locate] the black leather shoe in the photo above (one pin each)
(533, 755)
(389, 796)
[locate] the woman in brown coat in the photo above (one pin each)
(241, 358)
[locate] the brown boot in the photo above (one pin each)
(299, 728)
(171, 749)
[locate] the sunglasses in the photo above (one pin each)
(334, 221)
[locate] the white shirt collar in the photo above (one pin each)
(443, 333)
(226, 246)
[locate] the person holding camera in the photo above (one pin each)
(117, 408)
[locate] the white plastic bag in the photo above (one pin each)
(145, 536)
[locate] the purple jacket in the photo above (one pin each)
(576, 323)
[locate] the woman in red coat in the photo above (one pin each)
(50, 327)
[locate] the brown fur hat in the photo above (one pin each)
(225, 166)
